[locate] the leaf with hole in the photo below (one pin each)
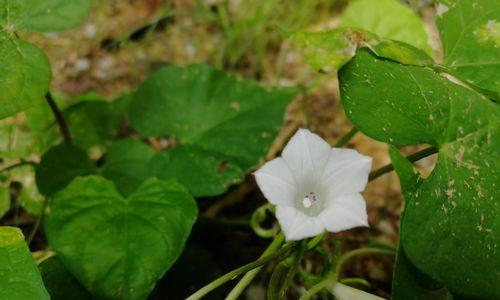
(224, 124)
(456, 207)
(119, 247)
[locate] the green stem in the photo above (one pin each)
(292, 270)
(259, 216)
(63, 127)
(233, 274)
(316, 240)
(16, 165)
(412, 158)
(333, 277)
(346, 138)
(249, 276)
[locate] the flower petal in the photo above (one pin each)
(346, 172)
(306, 154)
(297, 225)
(345, 212)
(276, 182)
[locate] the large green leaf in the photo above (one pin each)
(450, 227)
(470, 33)
(408, 282)
(223, 123)
(43, 15)
(19, 276)
(60, 165)
(127, 163)
(119, 247)
(389, 19)
(24, 75)
(60, 283)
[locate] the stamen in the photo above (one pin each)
(309, 200)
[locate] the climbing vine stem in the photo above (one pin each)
(63, 126)
(412, 158)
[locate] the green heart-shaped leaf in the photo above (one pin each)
(470, 33)
(24, 75)
(19, 276)
(219, 120)
(119, 247)
(450, 227)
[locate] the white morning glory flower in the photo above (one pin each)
(315, 187)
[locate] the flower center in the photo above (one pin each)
(309, 200)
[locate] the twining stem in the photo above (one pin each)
(258, 216)
(412, 158)
(249, 276)
(63, 127)
(333, 277)
(243, 269)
